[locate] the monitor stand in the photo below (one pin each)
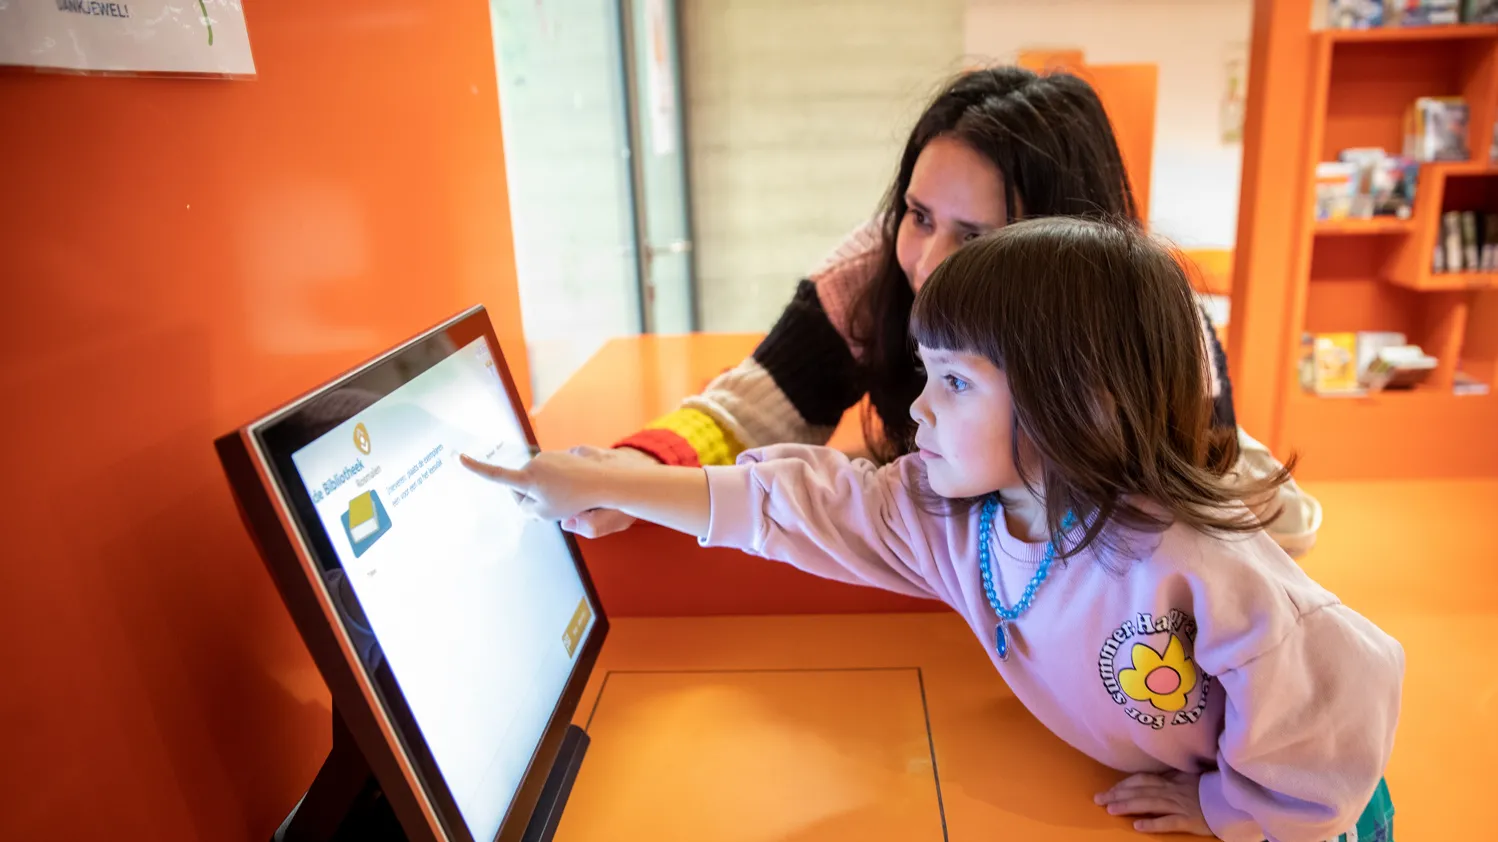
(345, 803)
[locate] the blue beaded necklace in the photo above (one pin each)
(985, 566)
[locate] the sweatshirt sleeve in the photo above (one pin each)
(827, 515)
(1308, 729)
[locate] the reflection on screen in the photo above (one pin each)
(478, 611)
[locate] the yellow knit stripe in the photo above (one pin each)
(714, 445)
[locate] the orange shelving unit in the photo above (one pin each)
(1376, 275)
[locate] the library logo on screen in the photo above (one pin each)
(365, 521)
(361, 439)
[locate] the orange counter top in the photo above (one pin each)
(652, 572)
(820, 729)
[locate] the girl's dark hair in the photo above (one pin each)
(1097, 329)
(1051, 140)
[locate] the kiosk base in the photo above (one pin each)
(345, 803)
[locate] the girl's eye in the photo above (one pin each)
(956, 384)
(972, 235)
(920, 217)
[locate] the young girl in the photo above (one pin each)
(1072, 500)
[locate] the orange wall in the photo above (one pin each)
(1128, 93)
(177, 256)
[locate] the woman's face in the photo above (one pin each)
(955, 194)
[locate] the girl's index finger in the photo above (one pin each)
(501, 475)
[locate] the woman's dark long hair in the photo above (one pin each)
(1053, 144)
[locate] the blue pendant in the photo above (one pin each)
(985, 568)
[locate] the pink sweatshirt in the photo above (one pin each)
(1208, 654)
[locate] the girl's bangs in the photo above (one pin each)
(959, 311)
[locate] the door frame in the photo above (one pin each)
(633, 98)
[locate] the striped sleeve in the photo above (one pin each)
(794, 388)
(687, 437)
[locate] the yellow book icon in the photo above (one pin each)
(365, 521)
(361, 517)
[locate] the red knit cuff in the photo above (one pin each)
(666, 447)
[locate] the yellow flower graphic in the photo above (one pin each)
(1163, 682)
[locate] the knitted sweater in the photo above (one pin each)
(803, 377)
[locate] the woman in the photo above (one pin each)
(994, 146)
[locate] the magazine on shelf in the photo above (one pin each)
(1435, 129)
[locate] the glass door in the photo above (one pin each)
(564, 110)
(663, 219)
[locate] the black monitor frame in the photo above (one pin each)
(279, 514)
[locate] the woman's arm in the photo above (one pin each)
(794, 388)
(796, 385)
(1290, 515)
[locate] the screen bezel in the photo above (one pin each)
(275, 438)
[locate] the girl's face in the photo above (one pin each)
(964, 425)
(955, 194)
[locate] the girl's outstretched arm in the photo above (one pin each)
(809, 506)
(560, 485)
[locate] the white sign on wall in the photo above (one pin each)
(127, 36)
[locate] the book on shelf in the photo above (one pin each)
(1371, 342)
(1336, 186)
(1365, 182)
(1423, 12)
(1355, 14)
(1349, 364)
(1398, 367)
(1480, 11)
(1468, 243)
(1335, 364)
(1372, 14)
(1435, 129)
(1451, 236)
(1488, 248)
